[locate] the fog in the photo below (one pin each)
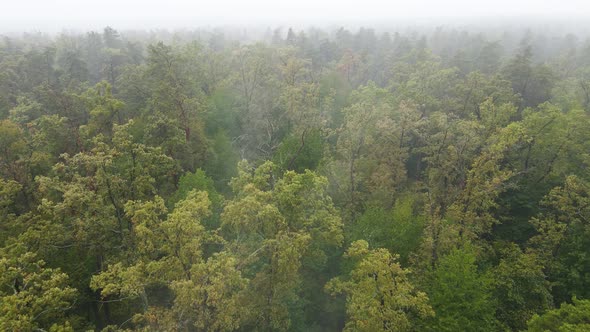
(58, 15)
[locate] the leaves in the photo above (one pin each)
(379, 294)
(31, 295)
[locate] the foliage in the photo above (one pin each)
(32, 296)
(461, 296)
(379, 295)
(569, 317)
(452, 164)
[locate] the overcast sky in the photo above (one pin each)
(31, 15)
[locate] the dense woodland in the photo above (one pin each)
(317, 180)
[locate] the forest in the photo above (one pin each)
(296, 180)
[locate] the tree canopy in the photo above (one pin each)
(295, 180)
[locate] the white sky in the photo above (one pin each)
(80, 14)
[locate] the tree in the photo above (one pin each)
(477, 88)
(177, 287)
(519, 72)
(568, 318)
(199, 181)
(105, 110)
(282, 230)
(520, 286)
(32, 296)
(486, 180)
(173, 76)
(380, 296)
(212, 298)
(461, 295)
(255, 83)
(371, 150)
(306, 108)
(562, 238)
(532, 83)
(8, 192)
(14, 151)
(399, 230)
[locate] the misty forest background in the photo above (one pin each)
(317, 180)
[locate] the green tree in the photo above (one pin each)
(283, 230)
(521, 288)
(399, 230)
(568, 318)
(461, 295)
(174, 283)
(172, 78)
(32, 295)
(105, 110)
(380, 296)
(562, 238)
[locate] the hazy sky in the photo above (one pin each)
(66, 14)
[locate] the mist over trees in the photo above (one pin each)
(418, 179)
